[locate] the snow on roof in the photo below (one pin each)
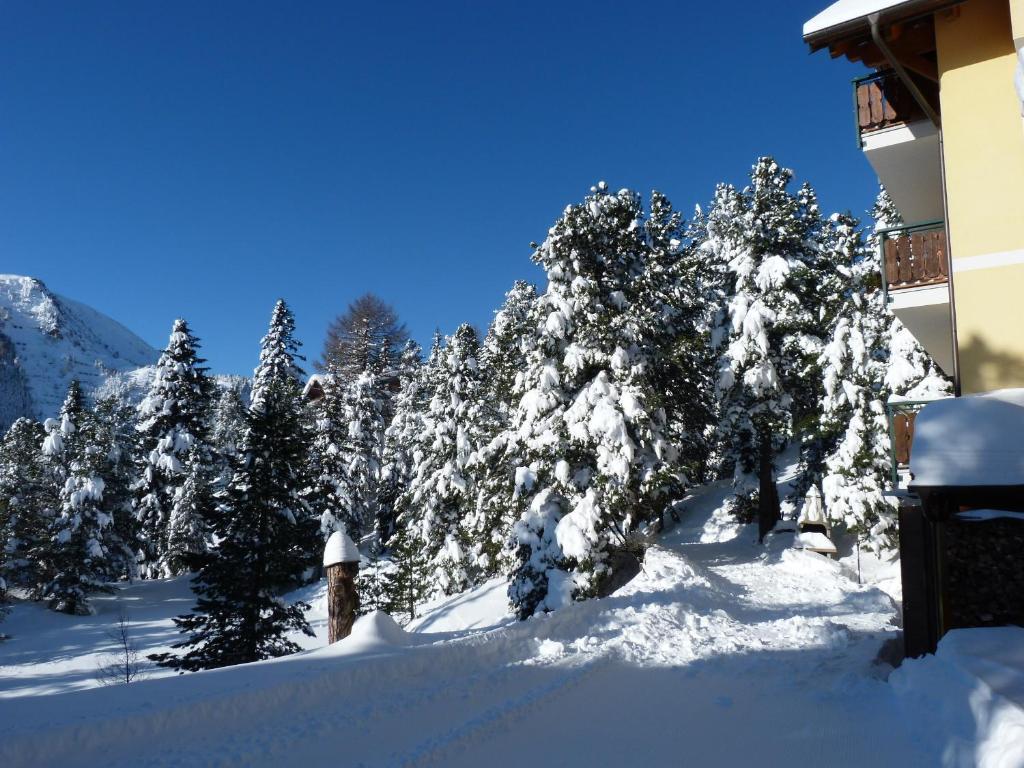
(977, 440)
(845, 11)
(340, 549)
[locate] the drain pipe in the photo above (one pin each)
(957, 390)
(901, 72)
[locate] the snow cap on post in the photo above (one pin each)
(340, 549)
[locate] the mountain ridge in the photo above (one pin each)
(46, 340)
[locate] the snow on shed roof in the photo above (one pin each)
(340, 549)
(971, 441)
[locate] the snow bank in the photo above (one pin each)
(967, 701)
(484, 607)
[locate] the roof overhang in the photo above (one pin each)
(850, 18)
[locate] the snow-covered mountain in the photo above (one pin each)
(47, 340)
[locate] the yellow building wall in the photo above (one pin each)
(983, 149)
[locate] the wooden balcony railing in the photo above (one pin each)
(902, 436)
(881, 101)
(914, 256)
(902, 415)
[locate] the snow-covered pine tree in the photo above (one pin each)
(114, 421)
(174, 421)
(80, 562)
(764, 237)
(440, 496)
(854, 426)
(188, 527)
(229, 420)
(362, 442)
(27, 500)
(266, 533)
(408, 584)
(327, 494)
(672, 294)
(597, 463)
(493, 465)
(400, 437)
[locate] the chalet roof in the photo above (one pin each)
(312, 381)
(849, 17)
(970, 442)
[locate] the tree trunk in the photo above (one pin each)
(342, 600)
(768, 494)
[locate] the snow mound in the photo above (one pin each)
(377, 629)
(968, 699)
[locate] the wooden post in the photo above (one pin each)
(341, 563)
(342, 600)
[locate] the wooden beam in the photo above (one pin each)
(918, 64)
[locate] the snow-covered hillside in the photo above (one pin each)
(47, 340)
(719, 653)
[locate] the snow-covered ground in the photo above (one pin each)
(719, 653)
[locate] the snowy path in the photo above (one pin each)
(718, 652)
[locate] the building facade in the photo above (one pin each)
(940, 118)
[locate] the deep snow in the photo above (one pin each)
(720, 652)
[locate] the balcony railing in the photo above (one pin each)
(901, 434)
(914, 256)
(882, 101)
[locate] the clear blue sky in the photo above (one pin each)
(201, 159)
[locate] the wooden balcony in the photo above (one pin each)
(914, 256)
(882, 101)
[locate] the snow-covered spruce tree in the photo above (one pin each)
(440, 495)
(265, 531)
(114, 422)
(363, 412)
(229, 419)
(597, 463)
(493, 465)
(400, 437)
(853, 421)
(188, 529)
(764, 237)
(174, 421)
(327, 495)
(676, 356)
(407, 584)
(27, 501)
(80, 561)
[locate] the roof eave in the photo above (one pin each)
(861, 25)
